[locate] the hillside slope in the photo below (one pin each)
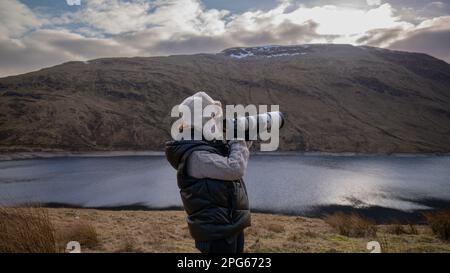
(337, 98)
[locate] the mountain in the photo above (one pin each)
(336, 98)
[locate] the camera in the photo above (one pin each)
(250, 126)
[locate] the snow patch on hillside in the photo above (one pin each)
(241, 55)
(266, 51)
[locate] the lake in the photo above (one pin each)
(293, 183)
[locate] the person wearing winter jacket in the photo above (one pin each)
(210, 178)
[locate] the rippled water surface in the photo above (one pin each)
(277, 183)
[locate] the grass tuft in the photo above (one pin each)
(129, 246)
(351, 225)
(439, 222)
(82, 232)
(274, 227)
(399, 229)
(26, 230)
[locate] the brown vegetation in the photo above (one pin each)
(81, 231)
(26, 230)
(440, 223)
(351, 225)
(49, 230)
(399, 229)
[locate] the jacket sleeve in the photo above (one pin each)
(204, 164)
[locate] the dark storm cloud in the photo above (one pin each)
(285, 33)
(49, 47)
(16, 58)
(190, 45)
(379, 37)
(435, 43)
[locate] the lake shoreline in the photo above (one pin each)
(377, 214)
(10, 156)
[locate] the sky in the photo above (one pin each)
(36, 34)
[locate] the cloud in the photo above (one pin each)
(418, 11)
(75, 45)
(170, 16)
(16, 19)
(73, 2)
(49, 47)
(20, 57)
(113, 16)
(285, 32)
(331, 19)
(431, 37)
(31, 39)
(380, 37)
(373, 2)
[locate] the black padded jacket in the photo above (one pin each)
(216, 209)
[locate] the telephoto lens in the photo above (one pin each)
(252, 125)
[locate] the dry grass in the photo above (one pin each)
(26, 230)
(129, 246)
(351, 225)
(399, 229)
(274, 227)
(439, 222)
(81, 231)
(166, 231)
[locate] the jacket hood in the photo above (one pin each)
(176, 149)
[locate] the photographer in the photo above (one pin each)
(214, 195)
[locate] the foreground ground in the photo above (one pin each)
(166, 231)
